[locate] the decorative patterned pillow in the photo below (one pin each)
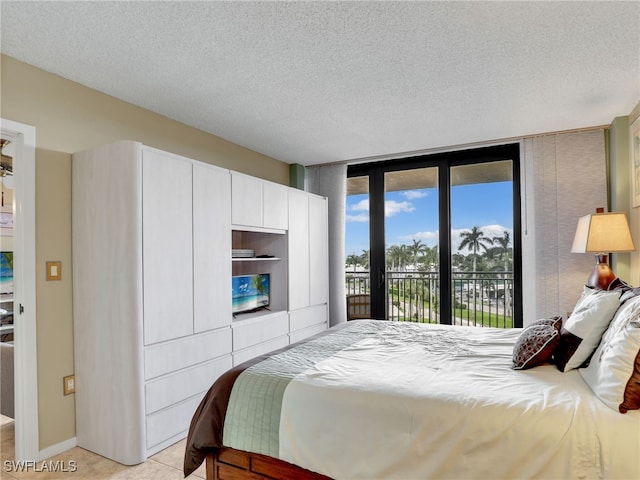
(581, 332)
(614, 371)
(554, 321)
(536, 343)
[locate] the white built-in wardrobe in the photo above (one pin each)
(153, 234)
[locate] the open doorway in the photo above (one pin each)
(17, 245)
(7, 408)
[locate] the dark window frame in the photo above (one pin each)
(445, 161)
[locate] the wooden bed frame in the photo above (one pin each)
(231, 464)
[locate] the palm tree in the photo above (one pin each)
(429, 257)
(503, 243)
(474, 240)
(259, 283)
(403, 257)
(491, 256)
(364, 259)
(503, 247)
(353, 260)
(457, 259)
(392, 257)
(398, 255)
(415, 249)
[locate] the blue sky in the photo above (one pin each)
(413, 214)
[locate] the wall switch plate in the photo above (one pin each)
(69, 384)
(54, 270)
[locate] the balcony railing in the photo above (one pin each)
(477, 298)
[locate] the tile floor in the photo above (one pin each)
(165, 465)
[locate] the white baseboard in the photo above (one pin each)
(56, 449)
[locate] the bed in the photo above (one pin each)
(379, 399)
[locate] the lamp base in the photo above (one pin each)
(602, 275)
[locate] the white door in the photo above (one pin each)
(211, 247)
(298, 249)
(167, 246)
(318, 250)
(25, 335)
(275, 206)
(246, 200)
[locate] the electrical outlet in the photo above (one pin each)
(69, 384)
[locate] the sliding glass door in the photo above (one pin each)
(436, 238)
(411, 244)
(482, 234)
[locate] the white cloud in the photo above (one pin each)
(391, 207)
(496, 231)
(363, 217)
(428, 238)
(412, 194)
(361, 206)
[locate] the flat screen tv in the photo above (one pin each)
(249, 292)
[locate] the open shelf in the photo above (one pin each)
(262, 242)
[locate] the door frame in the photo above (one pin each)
(24, 297)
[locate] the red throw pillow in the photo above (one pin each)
(536, 344)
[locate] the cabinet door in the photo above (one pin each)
(276, 206)
(246, 200)
(298, 249)
(259, 330)
(211, 247)
(167, 247)
(318, 250)
(308, 317)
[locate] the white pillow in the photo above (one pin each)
(582, 331)
(614, 371)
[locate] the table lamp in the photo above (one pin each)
(602, 233)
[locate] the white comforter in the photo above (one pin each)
(448, 405)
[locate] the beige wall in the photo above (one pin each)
(54, 324)
(68, 118)
(634, 221)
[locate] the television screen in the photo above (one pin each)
(249, 292)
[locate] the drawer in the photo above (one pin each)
(247, 333)
(175, 355)
(307, 332)
(307, 317)
(173, 388)
(262, 348)
(171, 421)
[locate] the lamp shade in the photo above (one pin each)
(603, 233)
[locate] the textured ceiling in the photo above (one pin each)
(315, 82)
